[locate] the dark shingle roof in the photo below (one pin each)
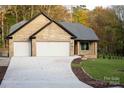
(82, 32)
(17, 25)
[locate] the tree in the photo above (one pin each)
(56, 12)
(119, 10)
(108, 28)
(81, 15)
(2, 19)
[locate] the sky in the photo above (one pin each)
(90, 7)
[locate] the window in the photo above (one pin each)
(84, 45)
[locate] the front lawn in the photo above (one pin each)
(111, 70)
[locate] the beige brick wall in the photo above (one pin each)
(24, 33)
(91, 53)
(53, 33)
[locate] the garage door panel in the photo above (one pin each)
(22, 49)
(52, 49)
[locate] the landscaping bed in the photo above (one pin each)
(2, 72)
(86, 70)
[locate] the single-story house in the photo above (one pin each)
(42, 36)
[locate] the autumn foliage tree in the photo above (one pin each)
(109, 29)
(81, 15)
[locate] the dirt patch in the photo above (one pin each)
(2, 72)
(84, 77)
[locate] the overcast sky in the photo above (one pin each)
(90, 7)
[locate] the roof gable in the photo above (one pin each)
(23, 23)
(52, 21)
(52, 32)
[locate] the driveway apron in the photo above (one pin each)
(41, 72)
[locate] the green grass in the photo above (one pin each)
(105, 69)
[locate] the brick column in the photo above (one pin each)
(33, 47)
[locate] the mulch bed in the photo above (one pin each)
(2, 72)
(84, 77)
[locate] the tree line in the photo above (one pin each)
(108, 23)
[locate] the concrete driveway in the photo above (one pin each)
(36, 72)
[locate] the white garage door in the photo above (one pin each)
(22, 49)
(52, 48)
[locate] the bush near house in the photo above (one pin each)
(110, 70)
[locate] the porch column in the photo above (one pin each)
(78, 47)
(95, 44)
